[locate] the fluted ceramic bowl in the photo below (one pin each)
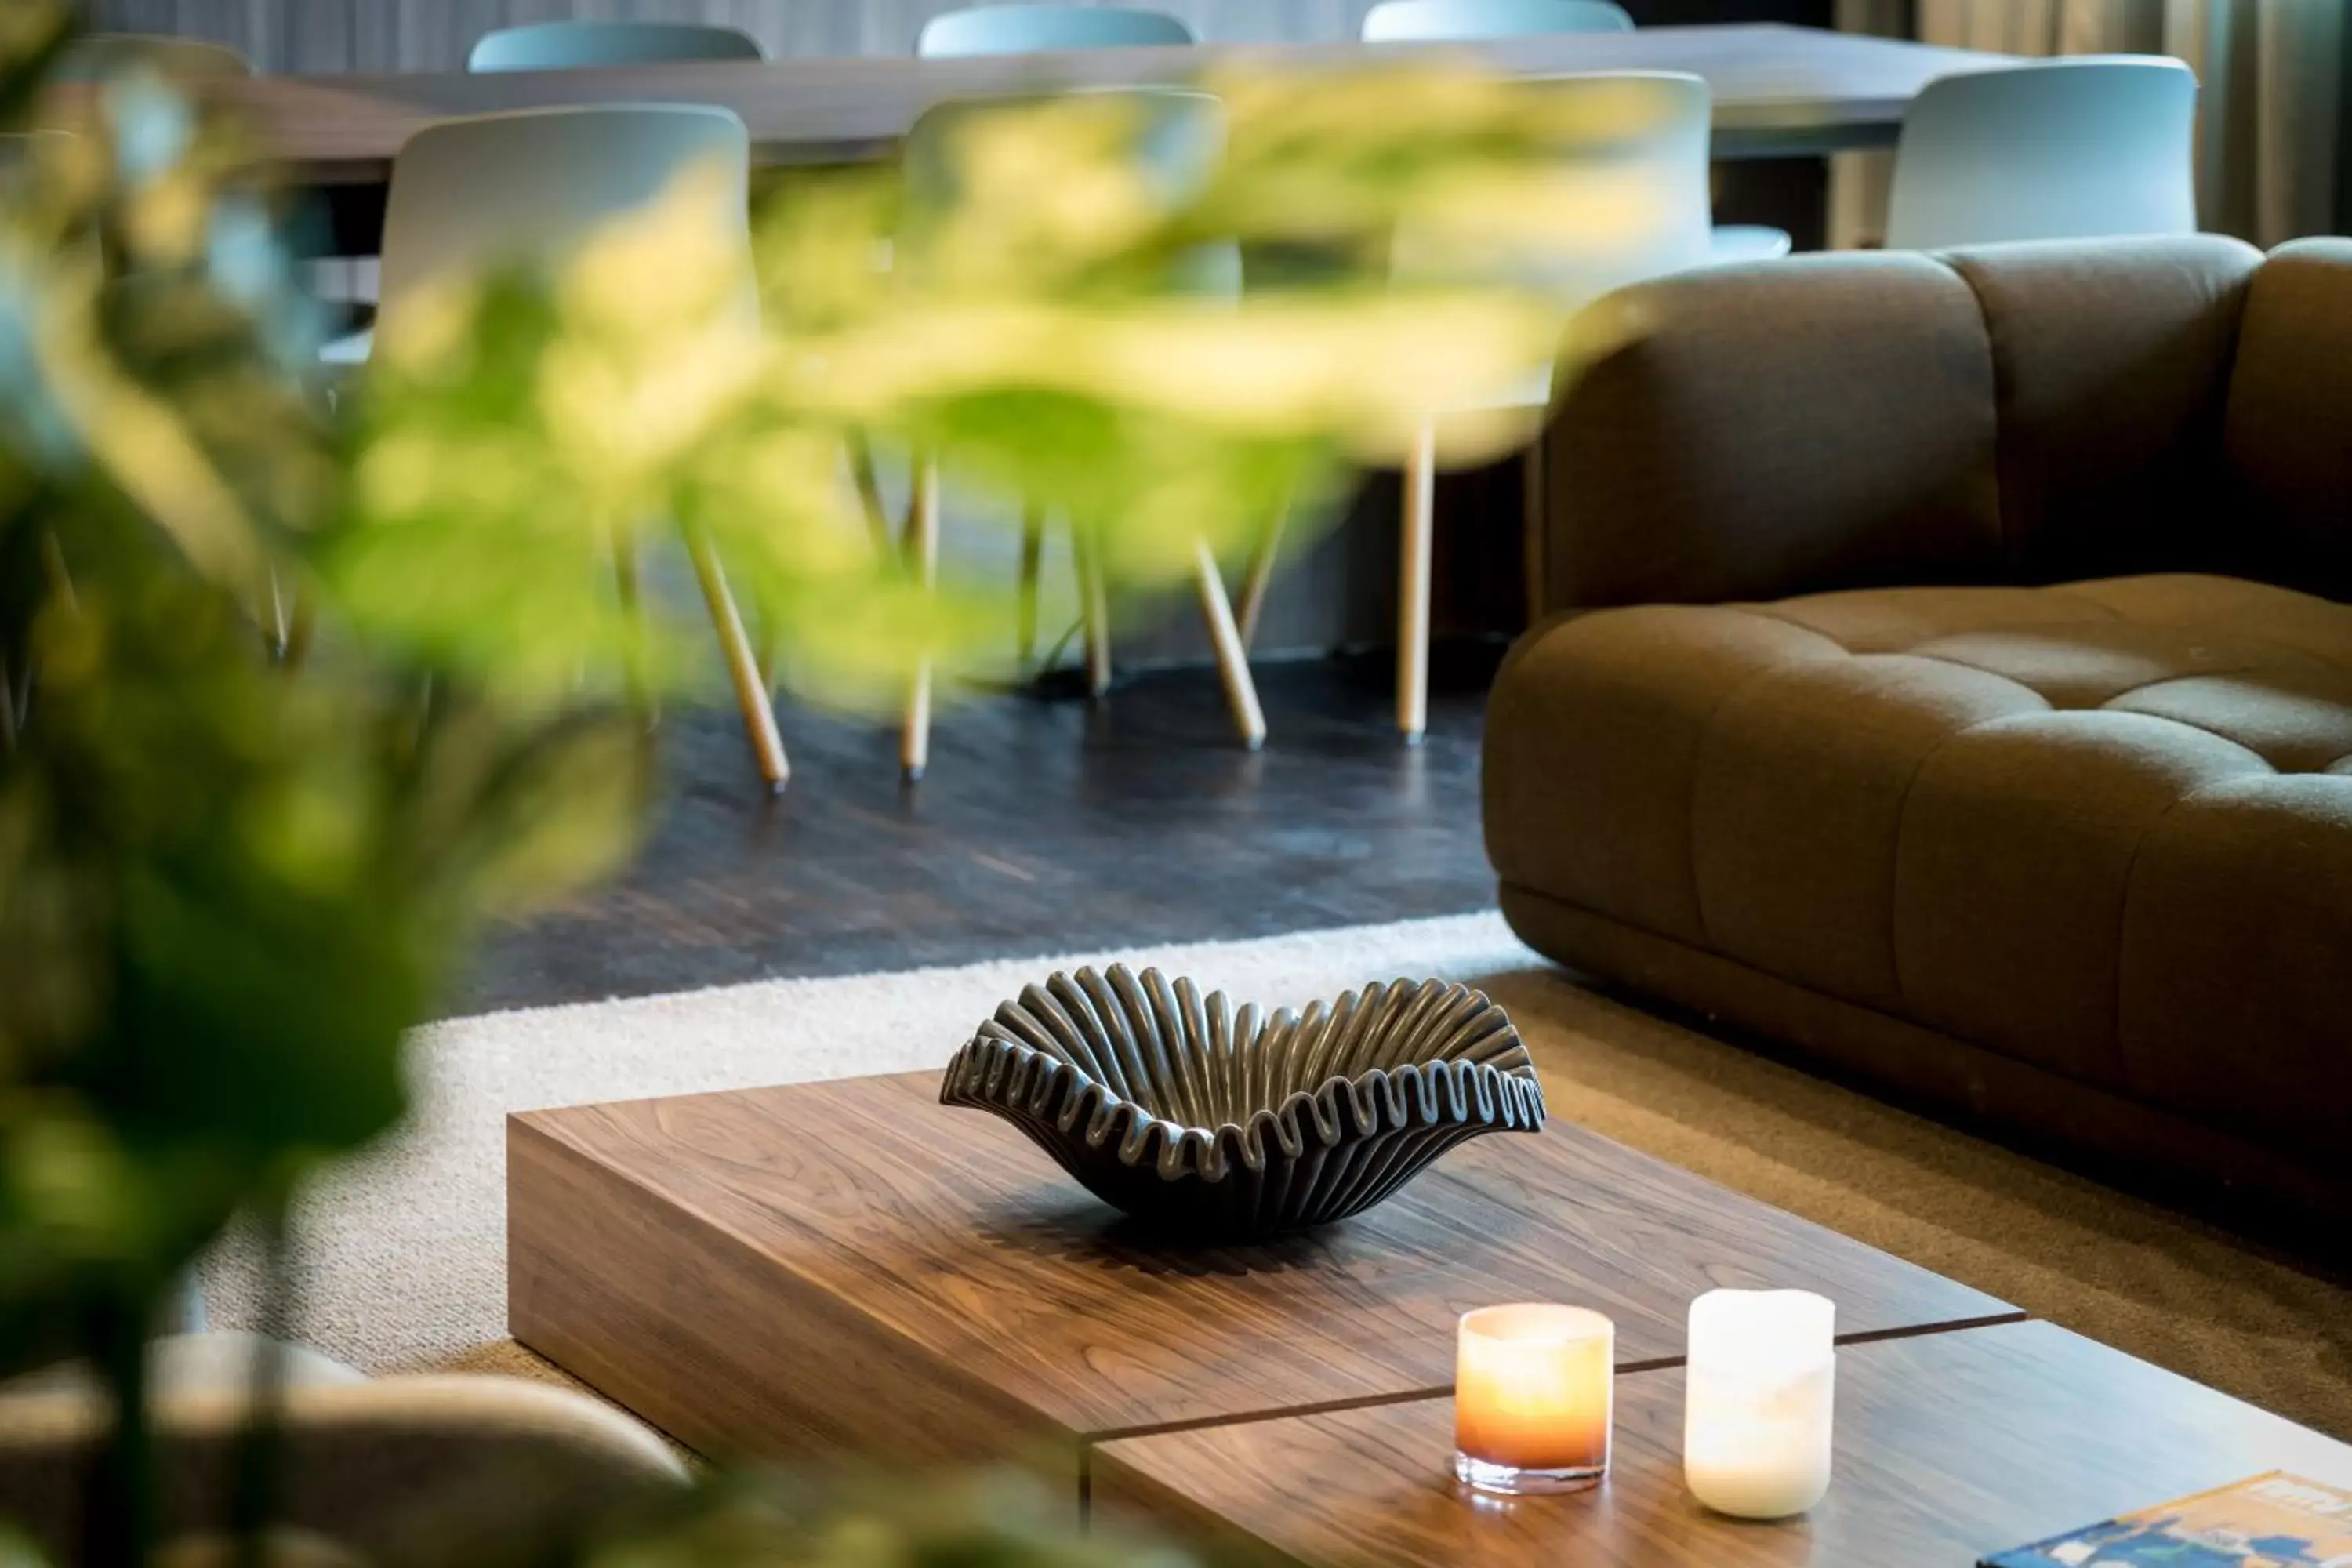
(1195, 1117)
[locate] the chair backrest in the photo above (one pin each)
(1180, 138)
(95, 55)
(573, 46)
(1032, 29)
(1398, 21)
(1646, 189)
(503, 188)
(2057, 149)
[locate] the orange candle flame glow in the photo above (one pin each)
(1533, 1387)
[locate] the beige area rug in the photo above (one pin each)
(404, 1254)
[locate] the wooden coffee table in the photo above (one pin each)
(1948, 1447)
(851, 1267)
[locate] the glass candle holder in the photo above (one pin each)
(1532, 1399)
(1763, 1385)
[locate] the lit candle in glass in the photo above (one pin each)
(1763, 1380)
(1532, 1391)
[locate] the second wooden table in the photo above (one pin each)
(851, 1267)
(1950, 1448)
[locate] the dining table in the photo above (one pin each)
(1780, 91)
(1784, 96)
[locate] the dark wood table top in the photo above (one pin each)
(1948, 1447)
(919, 1236)
(1777, 90)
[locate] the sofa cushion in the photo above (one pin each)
(2008, 813)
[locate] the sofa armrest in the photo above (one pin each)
(1777, 428)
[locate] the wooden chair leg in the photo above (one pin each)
(922, 553)
(742, 667)
(1260, 574)
(869, 491)
(1093, 612)
(1412, 587)
(1233, 658)
(1033, 552)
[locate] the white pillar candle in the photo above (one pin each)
(1532, 1398)
(1757, 1418)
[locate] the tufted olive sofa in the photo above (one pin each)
(1948, 679)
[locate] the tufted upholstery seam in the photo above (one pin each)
(1690, 789)
(2275, 771)
(2123, 913)
(2294, 649)
(2011, 551)
(1771, 612)
(1775, 613)
(1894, 854)
(2257, 767)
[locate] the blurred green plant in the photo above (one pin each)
(1010, 314)
(229, 884)
(1003, 1519)
(225, 892)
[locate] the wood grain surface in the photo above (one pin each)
(1777, 89)
(850, 1265)
(1949, 1447)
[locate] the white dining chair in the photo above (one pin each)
(583, 44)
(1028, 29)
(1470, 21)
(1440, 21)
(1666, 158)
(2058, 149)
(560, 45)
(533, 185)
(1211, 270)
(1179, 140)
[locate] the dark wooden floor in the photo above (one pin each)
(1045, 825)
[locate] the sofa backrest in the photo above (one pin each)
(2289, 431)
(2111, 372)
(2024, 413)
(1821, 419)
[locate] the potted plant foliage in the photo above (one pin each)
(300, 683)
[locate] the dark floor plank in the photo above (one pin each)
(1043, 825)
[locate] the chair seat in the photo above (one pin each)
(1531, 391)
(200, 1363)
(2066, 824)
(1750, 242)
(1733, 242)
(352, 348)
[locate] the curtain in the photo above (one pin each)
(2269, 70)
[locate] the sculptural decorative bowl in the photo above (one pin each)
(1194, 1118)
